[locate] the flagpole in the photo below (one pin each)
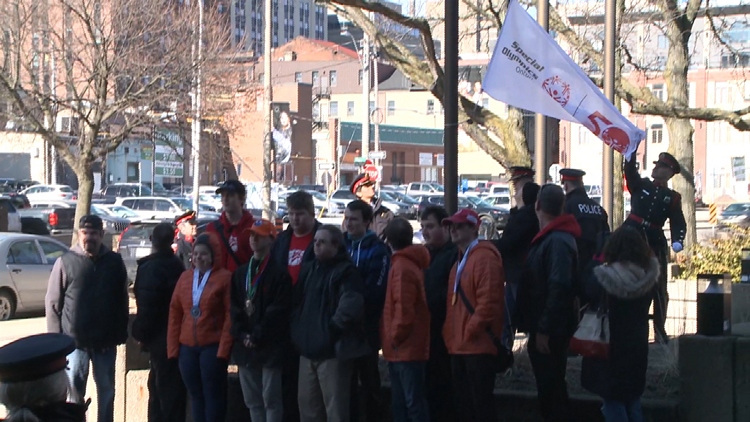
(610, 18)
(450, 103)
(540, 121)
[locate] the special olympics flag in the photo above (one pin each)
(529, 70)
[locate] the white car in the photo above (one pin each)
(498, 200)
(49, 193)
(121, 211)
(151, 207)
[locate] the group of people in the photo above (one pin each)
(304, 313)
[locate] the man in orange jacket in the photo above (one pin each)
(405, 326)
(474, 320)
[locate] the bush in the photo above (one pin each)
(721, 255)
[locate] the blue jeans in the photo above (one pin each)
(205, 377)
(103, 361)
(619, 411)
(408, 392)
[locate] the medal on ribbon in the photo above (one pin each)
(251, 282)
(195, 312)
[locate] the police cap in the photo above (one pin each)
(34, 357)
(188, 217)
(519, 172)
(361, 180)
(668, 160)
(572, 175)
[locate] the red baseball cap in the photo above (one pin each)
(263, 228)
(464, 216)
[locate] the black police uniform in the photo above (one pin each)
(33, 358)
(590, 216)
(650, 207)
(184, 245)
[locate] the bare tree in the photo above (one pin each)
(111, 67)
(500, 136)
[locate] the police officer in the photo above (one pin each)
(364, 188)
(184, 237)
(591, 216)
(34, 385)
(652, 202)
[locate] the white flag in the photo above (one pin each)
(529, 70)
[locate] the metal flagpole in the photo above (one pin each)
(540, 121)
(268, 118)
(365, 95)
(450, 103)
(196, 135)
(610, 17)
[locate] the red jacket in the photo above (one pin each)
(212, 326)
(483, 283)
(238, 239)
(405, 326)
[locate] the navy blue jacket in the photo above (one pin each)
(372, 258)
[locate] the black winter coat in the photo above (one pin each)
(593, 220)
(545, 299)
(328, 310)
(522, 226)
(627, 289)
(155, 281)
(436, 289)
(268, 325)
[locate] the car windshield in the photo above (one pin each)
(437, 187)
(317, 195)
(137, 232)
(184, 203)
(404, 198)
(66, 189)
(500, 200)
(386, 196)
(738, 207)
(123, 211)
(101, 212)
(477, 201)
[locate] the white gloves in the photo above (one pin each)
(677, 247)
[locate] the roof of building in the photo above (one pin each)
(389, 134)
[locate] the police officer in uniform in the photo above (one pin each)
(364, 188)
(34, 383)
(519, 176)
(184, 237)
(590, 216)
(652, 202)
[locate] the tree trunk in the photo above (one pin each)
(618, 206)
(85, 176)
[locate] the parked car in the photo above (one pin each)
(49, 193)
(14, 217)
(56, 217)
(111, 193)
(498, 200)
(121, 211)
(401, 209)
(188, 204)
(497, 189)
(134, 243)
(152, 207)
(492, 218)
(737, 214)
(329, 207)
(28, 259)
(112, 223)
(417, 188)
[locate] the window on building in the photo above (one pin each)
(661, 41)
(359, 76)
(333, 109)
(298, 77)
(391, 108)
(430, 106)
(735, 60)
(350, 108)
(332, 78)
(658, 91)
(315, 78)
(657, 134)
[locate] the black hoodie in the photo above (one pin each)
(328, 310)
(155, 281)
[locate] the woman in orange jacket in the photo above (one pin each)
(199, 330)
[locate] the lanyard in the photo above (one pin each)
(251, 286)
(198, 288)
(461, 266)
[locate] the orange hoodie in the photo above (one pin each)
(405, 326)
(483, 283)
(212, 326)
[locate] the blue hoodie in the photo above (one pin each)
(372, 257)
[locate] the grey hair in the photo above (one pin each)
(18, 397)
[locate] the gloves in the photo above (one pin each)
(677, 247)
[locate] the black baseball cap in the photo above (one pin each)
(91, 221)
(232, 186)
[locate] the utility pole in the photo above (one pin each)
(450, 101)
(153, 158)
(196, 127)
(268, 118)
(365, 95)
(53, 89)
(376, 109)
(610, 18)
(540, 120)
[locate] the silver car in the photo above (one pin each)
(27, 262)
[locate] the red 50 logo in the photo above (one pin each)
(613, 136)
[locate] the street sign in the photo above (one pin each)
(738, 168)
(326, 166)
(360, 161)
(372, 172)
(376, 155)
(168, 153)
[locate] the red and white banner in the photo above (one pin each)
(529, 70)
